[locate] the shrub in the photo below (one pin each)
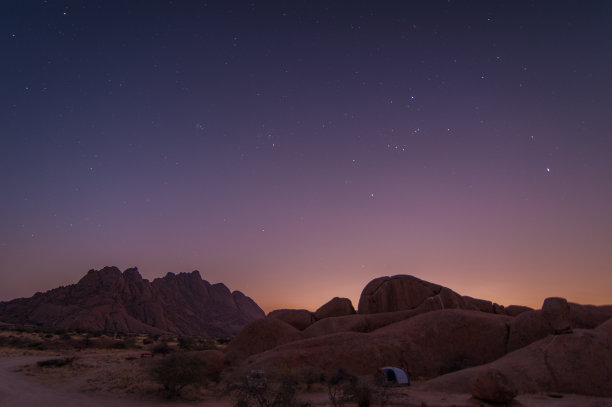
(20, 342)
(55, 362)
(361, 394)
(383, 384)
(339, 387)
(178, 370)
(310, 375)
(205, 344)
(162, 348)
(186, 342)
(130, 341)
(255, 391)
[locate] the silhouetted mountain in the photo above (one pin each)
(109, 300)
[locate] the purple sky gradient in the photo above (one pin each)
(296, 150)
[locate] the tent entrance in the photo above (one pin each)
(390, 376)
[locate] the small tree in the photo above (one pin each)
(178, 370)
(339, 387)
(256, 391)
(383, 384)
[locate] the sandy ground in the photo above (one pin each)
(116, 379)
(19, 389)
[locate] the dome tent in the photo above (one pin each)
(395, 375)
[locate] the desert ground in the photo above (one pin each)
(100, 377)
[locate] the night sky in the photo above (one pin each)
(295, 150)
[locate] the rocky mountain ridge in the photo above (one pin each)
(109, 300)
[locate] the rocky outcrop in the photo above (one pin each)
(514, 310)
(336, 307)
(259, 336)
(589, 316)
(492, 386)
(298, 318)
(428, 344)
(430, 330)
(109, 300)
(387, 294)
(555, 317)
(332, 325)
(577, 362)
(556, 312)
(404, 292)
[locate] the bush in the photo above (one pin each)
(310, 375)
(194, 343)
(130, 342)
(361, 394)
(178, 370)
(20, 342)
(55, 362)
(383, 385)
(186, 342)
(162, 348)
(340, 386)
(255, 391)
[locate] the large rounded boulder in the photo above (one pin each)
(556, 312)
(493, 386)
(402, 292)
(336, 307)
(260, 336)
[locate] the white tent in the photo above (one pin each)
(395, 375)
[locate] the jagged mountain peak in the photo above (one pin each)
(111, 300)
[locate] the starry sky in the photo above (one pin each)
(294, 150)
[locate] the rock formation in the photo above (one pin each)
(298, 318)
(556, 316)
(260, 336)
(492, 386)
(496, 352)
(556, 312)
(428, 345)
(578, 362)
(404, 292)
(336, 307)
(109, 300)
